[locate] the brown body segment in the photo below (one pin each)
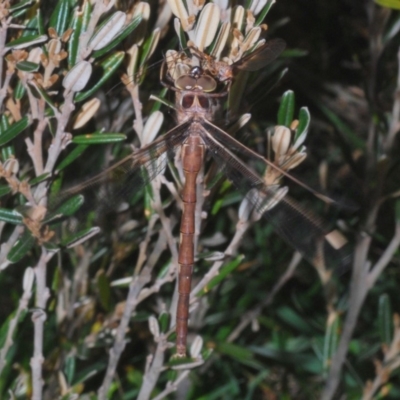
(192, 159)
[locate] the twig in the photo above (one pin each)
(6, 247)
(395, 117)
(35, 149)
(385, 258)
(22, 306)
(172, 386)
(362, 281)
(119, 344)
(152, 374)
(39, 317)
(390, 363)
(3, 50)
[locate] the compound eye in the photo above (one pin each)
(207, 83)
(187, 101)
(185, 82)
(203, 101)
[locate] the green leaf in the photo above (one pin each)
(241, 354)
(264, 12)
(394, 4)
(22, 247)
(292, 318)
(148, 47)
(103, 287)
(59, 18)
(71, 206)
(4, 124)
(39, 92)
(397, 210)
(226, 270)
(71, 157)
(26, 41)
(164, 320)
(4, 189)
(21, 5)
(73, 42)
(385, 319)
(98, 138)
(175, 361)
(19, 91)
(110, 66)
(7, 152)
(14, 130)
(35, 24)
(80, 237)
(119, 38)
(39, 179)
(27, 66)
(87, 13)
(332, 336)
(69, 369)
(10, 216)
(304, 121)
(286, 109)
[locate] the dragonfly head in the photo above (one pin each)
(196, 80)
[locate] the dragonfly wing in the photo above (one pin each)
(238, 148)
(262, 56)
(300, 228)
(124, 179)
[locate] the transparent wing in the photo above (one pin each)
(262, 56)
(300, 228)
(234, 145)
(127, 177)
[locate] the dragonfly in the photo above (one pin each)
(201, 84)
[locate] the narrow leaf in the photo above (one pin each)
(71, 206)
(4, 189)
(80, 237)
(78, 77)
(27, 66)
(73, 42)
(10, 216)
(304, 121)
(264, 12)
(26, 41)
(39, 179)
(331, 340)
(385, 321)
(59, 18)
(21, 4)
(103, 287)
(394, 4)
(98, 138)
(286, 109)
(108, 30)
(224, 272)
(14, 130)
(110, 66)
(21, 248)
(119, 38)
(71, 157)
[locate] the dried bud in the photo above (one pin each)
(281, 140)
